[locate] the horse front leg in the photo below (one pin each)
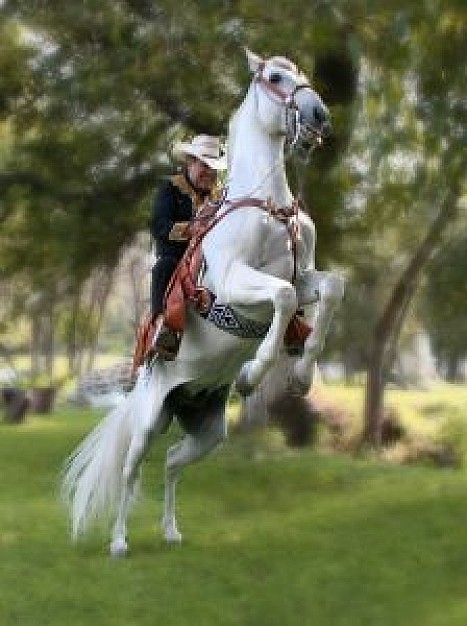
(250, 287)
(325, 290)
(190, 449)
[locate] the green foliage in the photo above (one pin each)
(423, 413)
(407, 155)
(445, 299)
(109, 88)
(453, 435)
(94, 96)
(94, 93)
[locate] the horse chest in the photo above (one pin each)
(275, 254)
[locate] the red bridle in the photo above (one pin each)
(293, 116)
(287, 98)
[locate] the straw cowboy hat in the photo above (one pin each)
(205, 148)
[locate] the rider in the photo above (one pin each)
(176, 203)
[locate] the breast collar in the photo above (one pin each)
(211, 214)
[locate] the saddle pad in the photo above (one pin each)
(227, 319)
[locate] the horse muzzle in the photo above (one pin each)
(309, 122)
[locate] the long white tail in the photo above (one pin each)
(92, 478)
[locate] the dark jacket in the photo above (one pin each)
(176, 201)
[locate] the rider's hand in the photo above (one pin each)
(180, 231)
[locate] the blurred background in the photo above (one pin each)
(92, 96)
(317, 519)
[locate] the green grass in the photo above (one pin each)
(274, 538)
(421, 412)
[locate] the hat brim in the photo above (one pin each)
(182, 149)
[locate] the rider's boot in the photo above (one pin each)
(166, 341)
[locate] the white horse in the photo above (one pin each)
(249, 267)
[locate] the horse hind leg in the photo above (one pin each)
(118, 544)
(138, 446)
(190, 449)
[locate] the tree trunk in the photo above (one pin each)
(452, 373)
(98, 307)
(49, 341)
(34, 349)
(390, 323)
(71, 341)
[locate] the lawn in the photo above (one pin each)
(420, 410)
(273, 537)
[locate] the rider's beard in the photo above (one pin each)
(203, 185)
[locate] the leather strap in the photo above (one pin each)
(183, 281)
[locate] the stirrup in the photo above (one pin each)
(296, 334)
(166, 342)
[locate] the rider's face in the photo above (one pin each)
(201, 175)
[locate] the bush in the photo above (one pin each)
(296, 418)
(453, 436)
(15, 404)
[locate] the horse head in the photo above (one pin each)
(286, 103)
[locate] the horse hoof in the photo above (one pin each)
(171, 533)
(173, 536)
(118, 548)
(242, 386)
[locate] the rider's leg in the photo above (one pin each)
(166, 342)
(161, 274)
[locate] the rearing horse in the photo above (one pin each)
(258, 284)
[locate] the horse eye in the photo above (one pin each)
(275, 78)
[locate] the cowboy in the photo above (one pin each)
(176, 204)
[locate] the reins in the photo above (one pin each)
(188, 269)
(286, 215)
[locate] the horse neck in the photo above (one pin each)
(256, 159)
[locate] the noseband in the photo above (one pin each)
(292, 114)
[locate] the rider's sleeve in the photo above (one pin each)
(163, 212)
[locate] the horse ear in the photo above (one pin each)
(254, 61)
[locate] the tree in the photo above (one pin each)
(444, 303)
(436, 86)
(94, 96)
